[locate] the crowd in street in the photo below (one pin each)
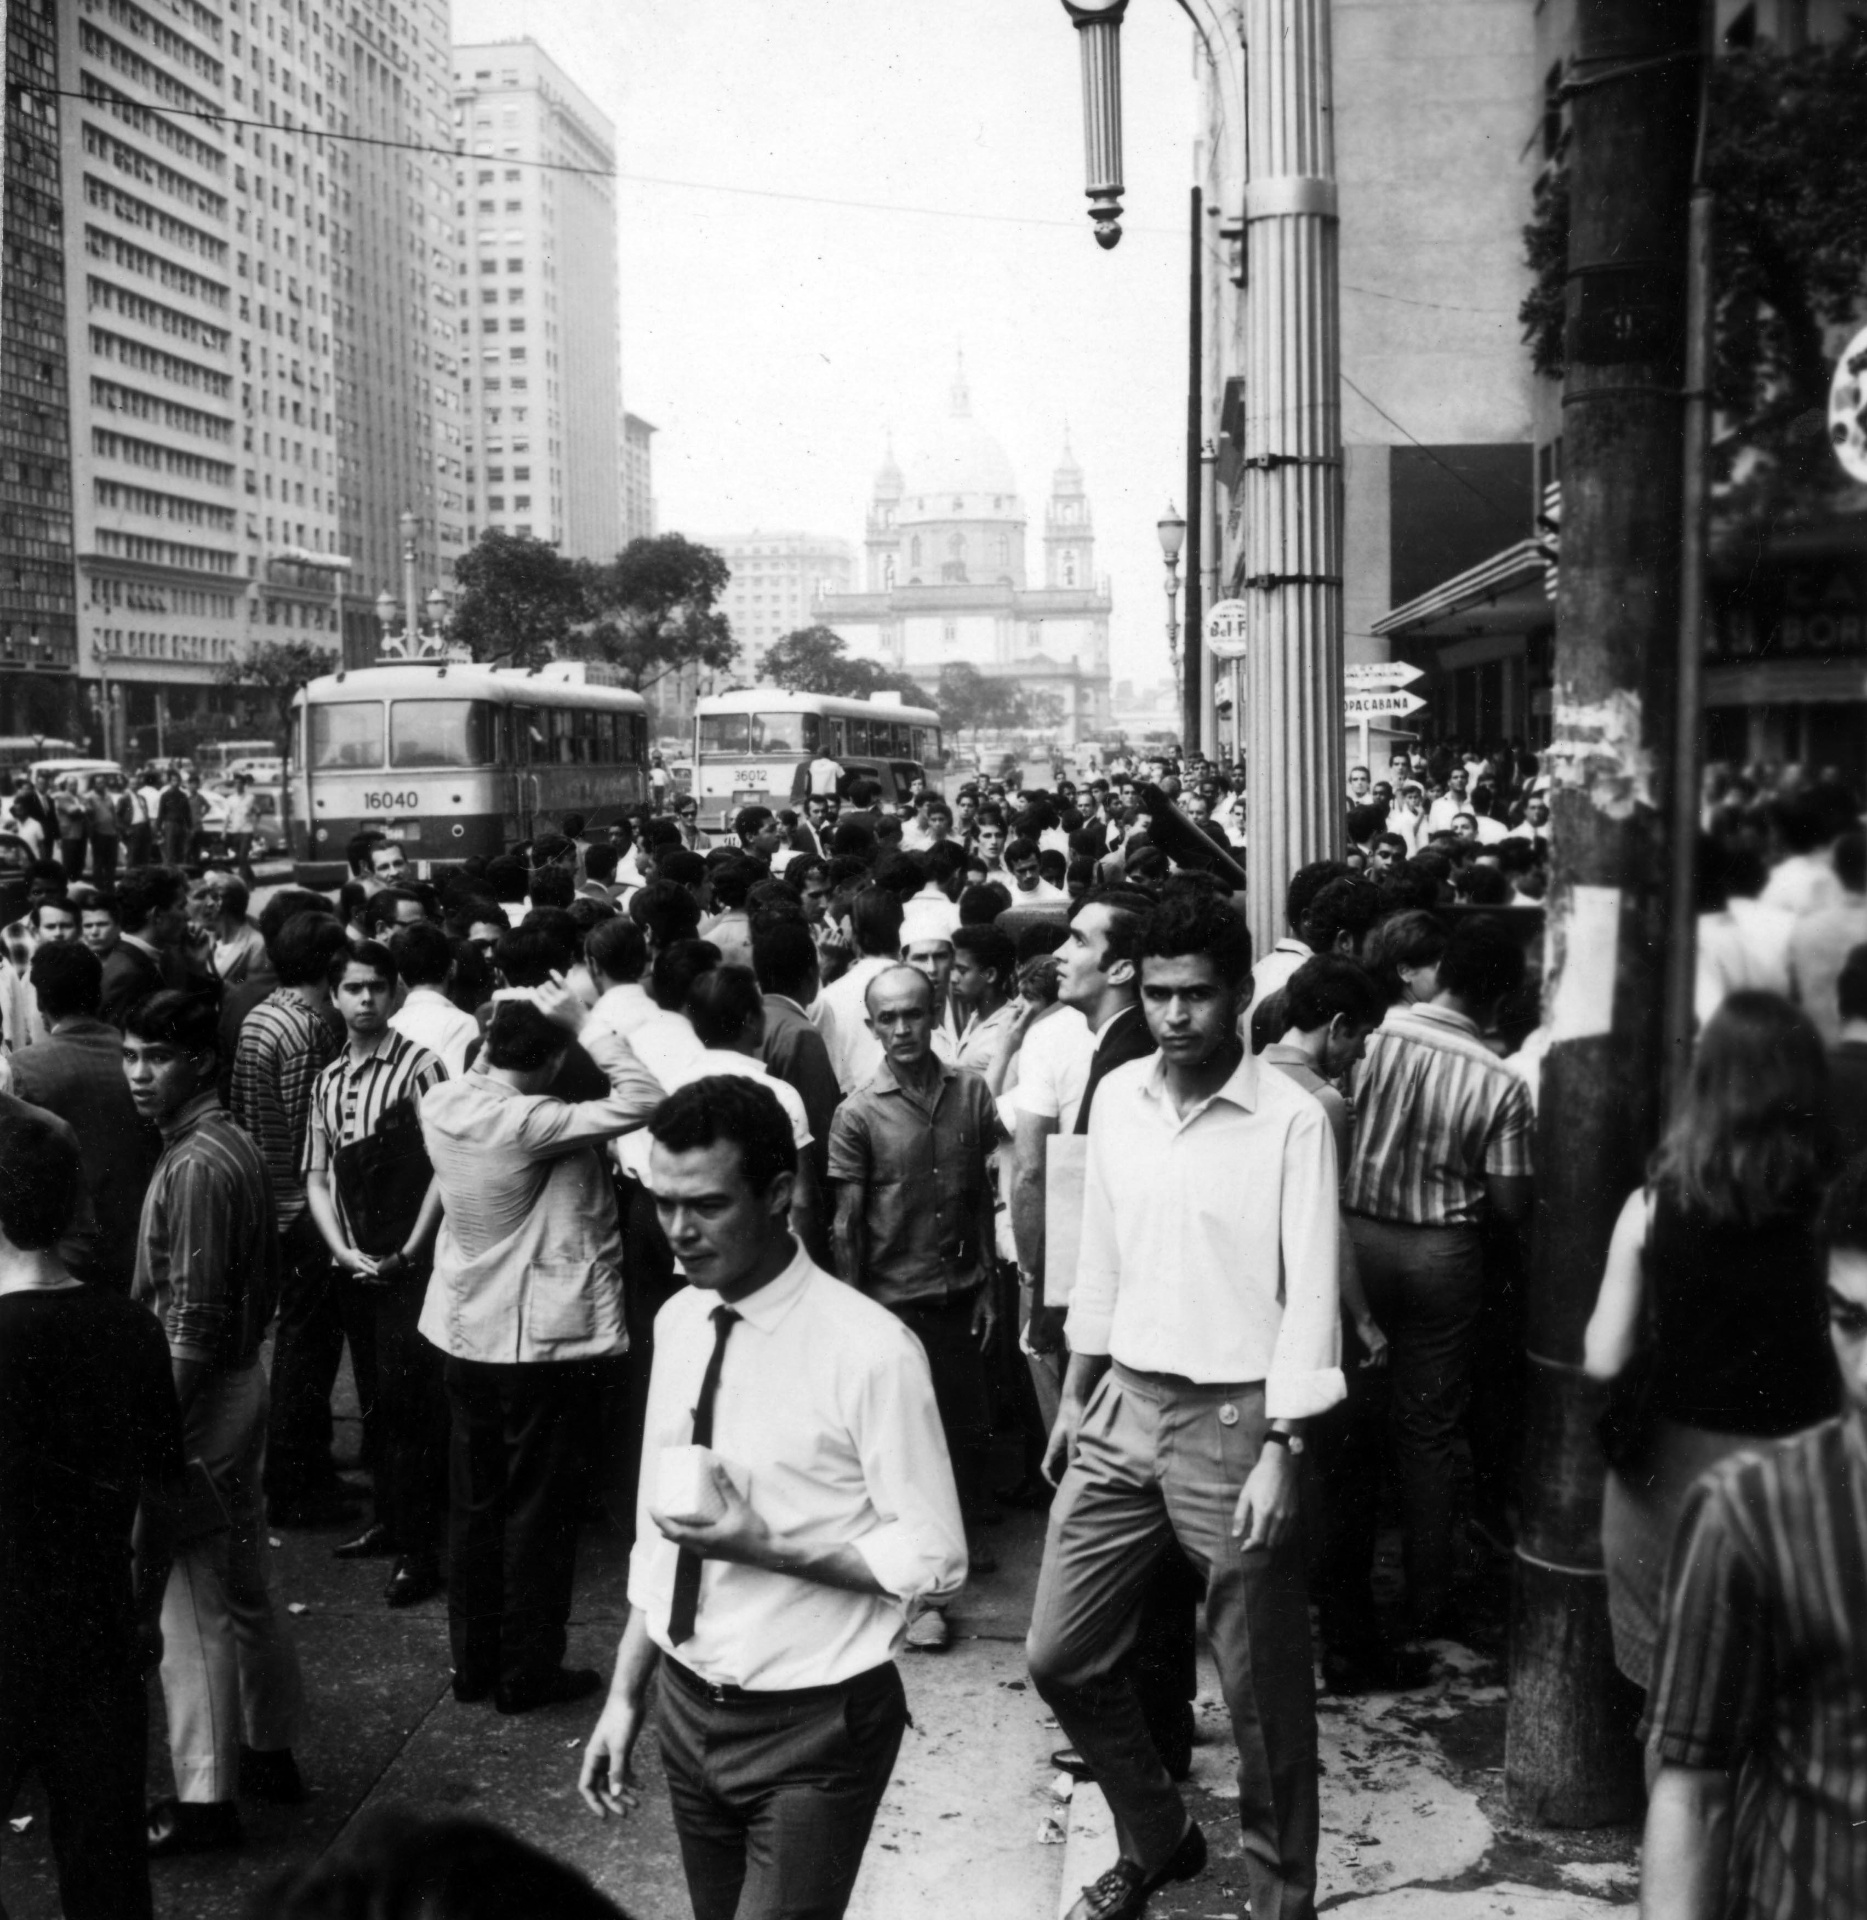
(759, 1191)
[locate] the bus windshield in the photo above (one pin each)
(440, 733)
(346, 733)
(759, 732)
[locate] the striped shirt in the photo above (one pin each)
(1436, 1112)
(1762, 1666)
(283, 1048)
(209, 1260)
(352, 1095)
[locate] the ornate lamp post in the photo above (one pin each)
(1172, 531)
(1099, 24)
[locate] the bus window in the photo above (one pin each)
(346, 733)
(784, 733)
(440, 733)
(725, 733)
(638, 738)
(900, 739)
(838, 736)
(858, 736)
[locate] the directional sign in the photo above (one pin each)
(1225, 630)
(1365, 676)
(1377, 706)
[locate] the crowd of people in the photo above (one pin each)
(795, 1197)
(93, 822)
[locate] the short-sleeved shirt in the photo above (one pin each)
(352, 1098)
(921, 1164)
(1436, 1114)
(88, 1417)
(1762, 1666)
(283, 1047)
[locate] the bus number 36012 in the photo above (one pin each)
(390, 802)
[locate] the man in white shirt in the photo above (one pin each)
(773, 1574)
(617, 953)
(841, 1012)
(1449, 805)
(826, 776)
(1203, 1332)
(424, 958)
(1029, 888)
(663, 1041)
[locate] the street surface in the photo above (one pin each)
(1413, 1822)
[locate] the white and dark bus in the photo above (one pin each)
(454, 759)
(754, 747)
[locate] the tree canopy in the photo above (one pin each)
(278, 669)
(520, 599)
(1789, 268)
(816, 660)
(652, 611)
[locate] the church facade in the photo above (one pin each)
(946, 576)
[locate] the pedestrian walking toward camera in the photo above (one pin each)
(796, 1501)
(1203, 1335)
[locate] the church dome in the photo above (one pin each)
(959, 468)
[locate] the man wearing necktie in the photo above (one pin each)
(775, 1622)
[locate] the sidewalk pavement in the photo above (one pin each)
(1414, 1826)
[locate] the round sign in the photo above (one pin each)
(1847, 408)
(1226, 630)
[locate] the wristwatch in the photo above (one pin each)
(1276, 1437)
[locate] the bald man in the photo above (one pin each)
(908, 1155)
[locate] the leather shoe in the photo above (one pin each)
(414, 1579)
(373, 1543)
(1069, 1760)
(1123, 1892)
(556, 1689)
(272, 1775)
(176, 1827)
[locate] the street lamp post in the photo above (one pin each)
(411, 609)
(1098, 23)
(1172, 531)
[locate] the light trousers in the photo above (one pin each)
(1160, 1461)
(229, 1669)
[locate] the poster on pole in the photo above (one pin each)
(1226, 630)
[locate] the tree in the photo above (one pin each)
(970, 701)
(276, 671)
(816, 660)
(652, 610)
(520, 599)
(1789, 271)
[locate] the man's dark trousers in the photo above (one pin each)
(957, 1363)
(774, 1795)
(86, 1734)
(521, 1443)
(310, 1345)
(404, 1407)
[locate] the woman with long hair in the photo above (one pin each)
(1712, 1300)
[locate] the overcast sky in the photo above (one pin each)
(773, 337)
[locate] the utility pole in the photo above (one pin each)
(1196, 700)
(1570, 1756)
(1293, 455)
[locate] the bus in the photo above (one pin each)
(754, 747)
(454, 759)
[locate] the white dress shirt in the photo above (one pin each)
(1053, 1067)
(620, 1011)
(825, 1418)
(633, 1149)
(664, 1043)
(430, 1019)
(1210, 1244)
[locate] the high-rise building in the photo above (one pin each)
(265, 376)
(775, 579)
(543, 364)
(400, 290)
(638, 478)
(38, 620)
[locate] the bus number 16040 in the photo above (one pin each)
(389, 802)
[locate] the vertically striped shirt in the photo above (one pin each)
(1762, 1666)
(352, 1096)
(1436, 1112)
(208, 1262)
(283, 1048)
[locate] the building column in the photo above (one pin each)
(1293, 456)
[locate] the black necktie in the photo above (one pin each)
(687, 1569)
